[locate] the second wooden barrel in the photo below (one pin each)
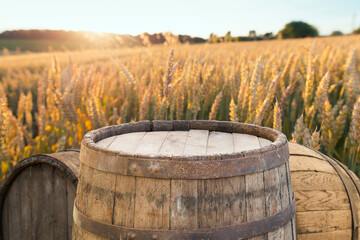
(327, 196)
(184, 180)
(37, 197)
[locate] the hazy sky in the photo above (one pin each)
(193, 17)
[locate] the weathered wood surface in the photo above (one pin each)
(179, 143)
(336, 235)
(322, 201)
(36, 199)
(180, 204)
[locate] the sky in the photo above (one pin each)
(191, 17)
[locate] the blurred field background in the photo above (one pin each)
(307, 88)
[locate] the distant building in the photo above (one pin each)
(252, 35)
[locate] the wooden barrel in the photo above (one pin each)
(327, 196)
(184, 180)
(37, 197)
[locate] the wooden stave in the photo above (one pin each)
(164, 126)
(349, 186)
(67, 162)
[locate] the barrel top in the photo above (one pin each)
(196, 149)
(194, 142)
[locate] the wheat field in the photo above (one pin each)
(307, 88)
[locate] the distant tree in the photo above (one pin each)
(227, 37)
(213, 38)
(337, 33)
(298, 30)
(356, 31)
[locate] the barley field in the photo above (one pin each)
(307, 88)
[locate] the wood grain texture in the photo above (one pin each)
(209, 209)
(233, 202)
(100, 193)
(220, 142)
(243, 142)
(196, 143)
(273, 199)
(127, 143)
(255, 193)
(5, 219)
(38, 192)
(174, 143)
(47, 224)
(152, 203)
(273, 188)
(71, 192)
(82, 201)
(15, 210)
(322, 203)
(319, 181)
(255, 198)
(323, 221)
(60, 205)
(124, 205)
(305, 163)
(151, 143)
(291, 198)
(335, 235)
(26, 197)
(297, 149)
(183, 195)
(105, 143)
(95, 194)
(37, 203)
(221, 202)
(264, 142)
(184, 202)
(285, 198)
(321, 200)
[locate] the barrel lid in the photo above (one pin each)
(194, 142)
(170, 142)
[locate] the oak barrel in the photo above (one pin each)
(327, 196)
(184, 180)
(37, 197)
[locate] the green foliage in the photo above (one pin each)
(337, 33)
(356, 31)
(227, 37)
(213, 38)
(298, 29)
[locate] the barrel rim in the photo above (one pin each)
(184, 167)
(277, 138)
(50, 159)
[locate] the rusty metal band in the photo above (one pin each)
(352, 189)
(241, 231)
(182, 169)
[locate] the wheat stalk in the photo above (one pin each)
(215, 106)
(277, 117)
(354, 133)
(233, 111)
